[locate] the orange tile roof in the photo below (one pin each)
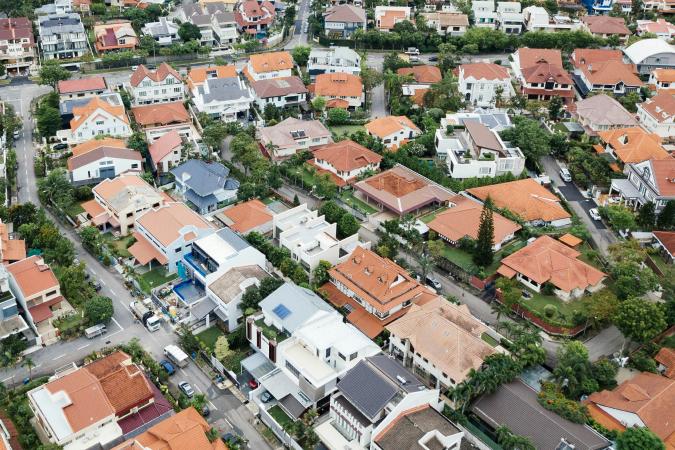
(484, 71)
(11, 249)
(337, 103)
(271, 62)
(93, 208)
(33, 276)
(391, 18)
(165, 145)
(424, 74)
(446, 334)
(247, 215)
(661, 107)
(347, 155)
(664, 176)
(570, 240)
(541, 73)
(464, 218)
(585, 56)
(165, 223)
(529, 57)
(664, 75)
(82, 113)
(82, 85)
(378, 281)
(338, 85)
(634, 145)
(388, 125)
(611, 72)
(666, 356)
(527, 198)
(198, 75)
(161, 114)
(163, 71)
(667, 240)
(144, 252)
(418, 96)
(606, 25)
(547, 260)
(93, 144)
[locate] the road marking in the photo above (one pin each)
(92, 271)
(102, 282)
(199, 389)
(212, 405)
(112, 291)
(118, 324)
(8, 378)
(60, 356)
(84, 346)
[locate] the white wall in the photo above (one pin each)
(91, 170)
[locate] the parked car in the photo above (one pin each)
(527, 294)
(167, 366)
(133, 68)
(252, 384)
(433, 58)
(433, 282)
(185, 387)
(265, 397)
(565, 175)
(206, 412)
(416, 276)
(60, 146)
(228, 437)
(594, 213)
(96, 285)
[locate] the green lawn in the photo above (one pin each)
(233, 362)
(209, 336)
(268, 200)
(119, 246)
(432, 215)
(65, 323)
(356, 203)
(459, 257)
(669, 341)
(464, 260)
(279, 415)
(661, 263)
(153, 278)
(349, 129)
(74, 209)
(565, 312)
(489, 339)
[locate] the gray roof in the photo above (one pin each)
(203, 308)
(300, 302)
(409, 429)
(482, 136)
(257, 365)
(66, 106)
(160, 28)
(63, 23)
(222, 89)
(515, 405)
(228, 286)
(204, 178)
(233, 239)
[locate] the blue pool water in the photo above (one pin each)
(188, 292)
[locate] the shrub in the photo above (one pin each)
(552, 399)
(550, 310)
(547, 288)
(642, 362)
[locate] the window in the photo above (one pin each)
(342, 357)
(353, 356)
(328, 352)
(292, 369)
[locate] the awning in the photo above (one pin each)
(278, 384)
(93, 208)
(43, 311)
(203, 308)
(292, 406)
(144, 251)
(506, 271)
(257, 365)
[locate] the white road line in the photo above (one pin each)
(84, 346)
(103, 282)
(212, 405)
(92, 271)
(118, 324)
(199, 389)
(112, 291)
(60, 356)
(8, 378)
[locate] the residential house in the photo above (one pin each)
(340, 21)
(441, 342)
(482, 83)
(156, 86)
(119, 201)
(115, 36)
(510, 17)
(11, 249)
(279, 92)
(541, 74)
(650, 54)
(657, 115)
(158, 119)
(251, 215)
(536, 18)
(606, 26)
(216, 23)
(422, 77)
(484, 14)
(402, 191)
(165, 234)
(227, 99)
(67, 106)
(205, 186)
(291, 135)
(254, 18)
(58, 7)
(37, 290)
(310, 238)
(163, 31)
(393, 131)
(547, 260)
(603, 70)
(666, 356)
(600, 7)
(447, 23)
(96, 118)
(601, 113)
(544, 428)
(264, 66)
(662, 79)
(494, 118)
(660, 27)
(197, 76)
(11, 321)
(665, 240)
(98, 159)
(17, 46)
(388, 16)
(631, 145)
(166, 152)
(229, 4)
(659, 6)
(462, 220)
(341, 90)
(528, 199)
(82, 87)
(332, 60)
(345, 161)
(647, 181)
(642, 401)
(62, 36)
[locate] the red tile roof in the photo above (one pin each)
(248, 215)
(666, 357)
(606, 25)
(82, 85)
(529, 57)
(161, 114)
(347, 155)
(667, 240)
(164, 145)
(163, 71)
(33, 276)
(423, 74)
(543, 72)
(484, 71)
(661, 107)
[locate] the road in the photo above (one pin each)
(299, 35)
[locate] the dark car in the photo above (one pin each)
(526, 294)
(265, 397)
(167, 366)
(61, 146)
(96, 285)
(433, 58)
(206, 411)
(228, 437)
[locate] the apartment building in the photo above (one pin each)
(62, 36)
(156, 86)
(17, 46)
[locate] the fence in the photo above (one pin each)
(278, 431)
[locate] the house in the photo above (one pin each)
(447, 23)
(98, 159)
(243, 218)
(82, 87)
(197, 76)
(229, 4)
(158, 119)
(96, 118)
(484, 14)
(660, 27)
(38, 292)
(472, 149)
(11, 321)
(119, 201)
(388, 16)
(527, 198)
(227, 99)
(482, 83)
(631, 145)
(340, 21)
(544, 428)
(606, 26)
(647, 181)
(665, 240)
(279, 92)
(547, 260)
(441, 340)
(650, 54)
(17, 46)
(253, 18)
(602, 113)
(165, 234)
(166, 152)
(156, 86)
(205, 186)
(58, 7)
(215, 20)
(462, 220)
(510, 17)
(403, 191)
(342, 90)
(659, 6)
(58, 29)
(541, 74)
(422, 77)
(662, 79)
(643, 401)
(393, 131)
(603, 70)
(11, 249)
(494, 118)
(310, 238)
(666, 356)
(332, 60)
(163, 32)
(536, 18)
(66, 107)
(291, 135)
(115, 36)
(345, 161)
(657, 115)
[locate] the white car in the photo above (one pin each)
(565, 175)
(186, 388)
(595, 215)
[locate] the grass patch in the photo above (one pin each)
(489, 339)
(119, 246)
(209, 337)
(356, 203)
(74, 209)
(345, 129)
(233, 361)
(669, 341)
(565, 310)
(68, 322)
(459, 257)
(279, 415)
(432, 215)
(153, 278)
(661, 263)
(268, 200)
(465, 260)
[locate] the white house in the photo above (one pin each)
(657, 114)
(333, 59)
(481, 83)
(96, 118)
(163, 31)
(509, 17)
(447, 23)
(346, 161)
(394, 131)
(536, 18)
(388, 16)
(98, 159)
(226, 99)
(661, 28)
(264, 66)
(156, 86)
(484, 13)
(280, 92)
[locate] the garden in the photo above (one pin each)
(348, 197)
(152, 278)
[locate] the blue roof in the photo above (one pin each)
(202, 177)
(202, 203)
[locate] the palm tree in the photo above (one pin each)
(499, 309)
(29, 365)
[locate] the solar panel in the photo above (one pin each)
(281, 311)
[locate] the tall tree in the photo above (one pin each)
(189, 32)
(573, 371)
(632, 277)
(301, 54)
(638, 438)
(666, 220)
(51, 73)
(646, 217)
(555, 108)
(98, 309)
(639, 320)
(483, 254)
(303, 430)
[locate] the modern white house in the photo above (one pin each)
(481, 83)
(657, 115)
(102, 158)
(484, 13)
(650, 54)
(226, 99)
(156, 86)
(536, 18)
(216, 23)
(332, 60)
(510, 17)
(163, 31)
(62, 36)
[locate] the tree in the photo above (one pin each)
(331, 211)
(646, 217)
(91, 239)
(347, 226)
(319, 104)
(187, 340)
(510, 441)
(48, 120)
(638, 438)
(510, 290)
(337, 116)
(189, 32)
(666, 220)
(29, 364)
(56, 189)
(320, 275)
(222, 348)
(250, 300)
(529, 136)
(137, 142)
(604, 372)
(555, 108)
(483, 253)
(301, 54)
(639, 320)
(632, 277)
(214, 134)
(51, 73)
(573, 371)
(303, 430)
(74, 285)
(98, 310)
(601, 307)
